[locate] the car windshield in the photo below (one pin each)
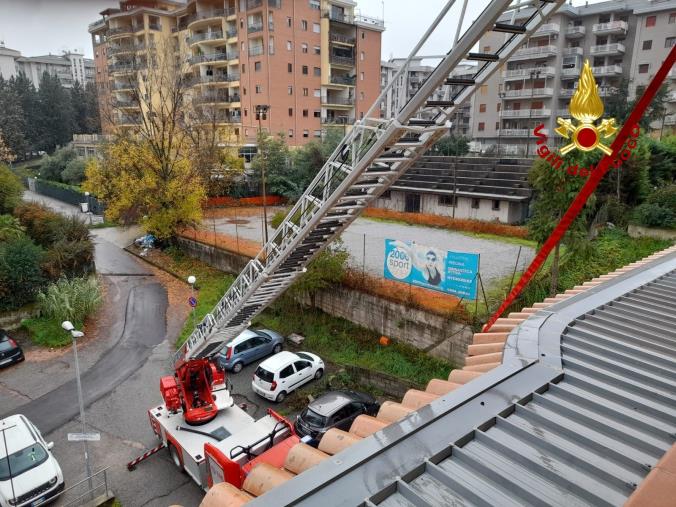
(305, 356)
(22, 461)
(264, 374)
(313, 418)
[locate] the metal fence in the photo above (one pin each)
(66, 194)
(88, 489)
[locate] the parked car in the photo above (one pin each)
(10, 351)
(282, 373)
(249, 346)
(36, 476)
(335, 409)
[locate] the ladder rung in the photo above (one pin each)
(440, 103)
(391, 159)
(421, 122)
(459, 81)
(483, 57)
(508, 28)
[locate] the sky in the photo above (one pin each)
(39, 27)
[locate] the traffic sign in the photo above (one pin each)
(192, 301)
(79, 437)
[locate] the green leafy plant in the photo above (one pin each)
(10, 228)
(20, 273)
(70, 299)
(11, 190)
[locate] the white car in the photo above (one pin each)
(31, 475)
(285, 372)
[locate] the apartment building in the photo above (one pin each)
(310, 64)
(410, 81)
(622, 40)
(68, 67)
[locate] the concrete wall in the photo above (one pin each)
(638, 231)
(12, 319)
(220, 259)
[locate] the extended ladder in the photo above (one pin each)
(371, 157)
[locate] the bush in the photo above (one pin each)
(52, 167)
(39, 221)
(654, 215)
(665, 197)
(20, 273)
(11, 190)
(70, 299)
(325, 270)
(278, 218)
(10, 228)
(74, 173)
(69, 258)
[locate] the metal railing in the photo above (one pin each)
(338, 37)
(218, 78)
(343, 80)
(337, 16)
(607, 49)
(154, 26)
(611, 26)
(526, 73)
(198, 37)
(548, 28)
(608, 70)
(534, 52)
(232, 32)
(253, 4)
(571, 51)
(212, 97)
(575, 31)
(338, 120)
(342, 101)
(215, 13)
(87, 489)
(253, 28)
(366, 20)
(526, 113)
(529, 92)
(342, 60)
(122, 29)
(603, 91)
(256, 50)
(210, 57)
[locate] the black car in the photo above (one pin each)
(10, 352)
(335, 409)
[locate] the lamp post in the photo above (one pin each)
(262, 114)
(191, 281)
(69, 328)
(534, 74)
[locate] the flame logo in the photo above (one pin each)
(586, 105)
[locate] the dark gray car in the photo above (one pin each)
(335, 409)
(246, 348)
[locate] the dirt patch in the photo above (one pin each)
(237, 221)
(239, 212)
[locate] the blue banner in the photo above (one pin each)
(451, 272)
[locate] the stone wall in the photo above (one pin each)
(639, 231)
(11, 320)
(220, 259)
(391, 386)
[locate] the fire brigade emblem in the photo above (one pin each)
(586, 107)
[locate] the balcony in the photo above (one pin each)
(575, 32)
(620, 27)
(609, 70)
(534, 52)
(122, 30)
(337, 16)
(254, 4)
(121, 86)
(206, 15)
(255, 27)
(343, 80)
(529, 92)
(256, 50)
(608, 49)
(603, 91)
(526, 113)
(125, 48)
(125, 104)
(218, 78)
(366, 20)
(205, 36)
(211, 98)
(515, 132)
(572, 51)
(124, 119)
(207, 58)
(232, 32)
(221, 117)
(338, 101)
(341, 39)
(547, 29)
(347, 61)
(519, 74)
(571, 73)
(154, 26)
(124, 68)
(338, 120)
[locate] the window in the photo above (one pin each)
(496, 205)
(643, 68)
(361, 95)
(446, 200)
(318, 92)
(647, 45)
(243, 68)
(317, 50)
(670, 42)
(306, 133)
(497, 125)
(244, 91)
(305, 92)
(257, 66)
(361, 56)
(289, 67)
(316, 27)
(303, 47)
(318, 133)
(387, 194)
(290, 132)
(482, 108)
(271, 45)
(672, 18)
(317, 71)
(361, 76)
(314, 4)
(289, 22)
(303, 25)
(290, 111)
(650, 21)
(363, 35)
(475, 203)
(317, 114)
(483, 89)
(640, 90)
(289, 45)
(301, 365)
(305, 113)
(259, 89)
(487, 49)
(498, 107)
(482, 126)
(305, 70)
(286, 372)
(290, 90)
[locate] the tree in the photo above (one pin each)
(327, 269)
(11, 190)
(309, 159)
(662, 166)
(12, 122)
(273, 157)
(93, 119)
(20, 273)
(56, 125)
(78, 104)
(6, 154)
(53, 166)
(74, 173)
(452, 145)
(28, 97)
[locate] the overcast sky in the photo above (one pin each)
(37, 27)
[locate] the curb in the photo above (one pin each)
(161, 268)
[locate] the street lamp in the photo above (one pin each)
(262, 114)
(69, 328)
(534, 74)
(193, 303)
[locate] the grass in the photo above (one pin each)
(343, 342)
(102, 225)
(48, 332)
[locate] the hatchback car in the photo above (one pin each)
(335, 409)
(249, 346)
(10, 351)
(29, 473)
(282, 373)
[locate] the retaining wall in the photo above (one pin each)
(11, 320)
(639, 231)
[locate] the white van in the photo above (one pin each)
(31, 476)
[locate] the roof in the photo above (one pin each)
(577, 410)
(327, 403)
(16, 432)
(279, 359)
(244, 335)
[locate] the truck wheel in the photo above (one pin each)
(281, 397)
(175, 457)
(237, 367)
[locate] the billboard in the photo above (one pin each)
(451, 272)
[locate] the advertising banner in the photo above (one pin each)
(451, 272)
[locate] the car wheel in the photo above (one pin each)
(237, 367)
(319, 373)
(277, 348)
(175, 457)
(281, 397)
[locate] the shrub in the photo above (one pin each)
(665, 197)
(654, 215)
(70, 299)
(325, 270)
(10, 228)
(278, 218)
(20, 273)
(11, 190)
(69, 258)
(52, 167)
(39, 221)
(74, 173)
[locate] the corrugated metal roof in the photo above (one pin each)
(580, 410)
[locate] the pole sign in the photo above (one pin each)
(451, 272)
(79, 437)
(192, 301)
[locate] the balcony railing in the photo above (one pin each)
(366, 20)
(339, 101)
(124, 67)
(253, 4)
(520, 132)
(154, 26)
(608, 49)
(256, 50)
(337, 16)
(338, 37)
(223, 117)
(212, 97)
(343, 80)
(526, 73)
(338, 120)
(610, 27)
(572, 51)
(124, 103)
(218, 78)
(232, 32)
(198, 37)
(209, 57)
(128, 120)
(122, 30)
(609, 70)
(127, 48)
(122, 86)
(342, 60)
(575, 31)
(526, 113)
(253, 28)
(534, 52)
(603, 91)
(529, 92)
(548, 28)
(215, 13)
(572, 72)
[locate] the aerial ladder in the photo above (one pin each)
(370, 158)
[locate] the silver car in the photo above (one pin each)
(249, 346)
